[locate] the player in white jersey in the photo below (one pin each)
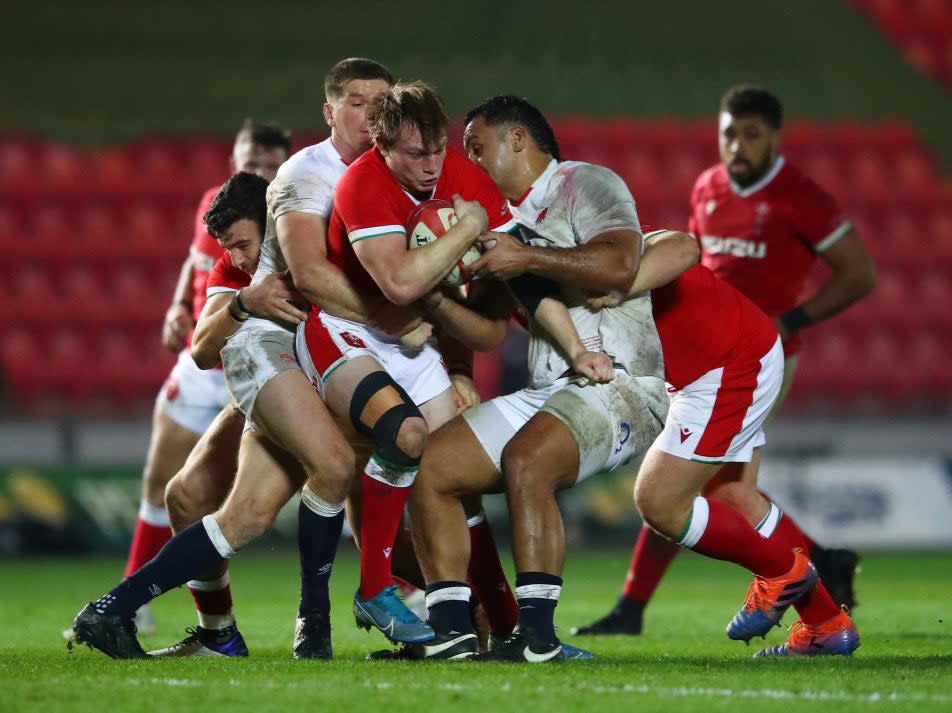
(291, 423)
(191, 398)
(580, 231)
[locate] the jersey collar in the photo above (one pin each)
(530, 205)
(754, 187)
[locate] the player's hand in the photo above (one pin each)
(504, 257)
(471, 213)
(417, 337)
(465, 392)
(274, 297)
(612, 299)
(597, 366)
(176, 327)
(393, 319)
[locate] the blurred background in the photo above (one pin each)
(116, 116)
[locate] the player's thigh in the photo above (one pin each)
(268, 476)
(291, 413)
(456, 463)
(210, 470)
(340, 385)
(542, 454)
(439, 410)
(667, 483)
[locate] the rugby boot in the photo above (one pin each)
(624, 618)
(517, 648)
(312, 637)
(451, 647)
(112, 634)
(206, 642)
(387, 612)
(836, 569)
(835, 637)
(768, 599)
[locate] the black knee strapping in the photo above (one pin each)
(384, 431)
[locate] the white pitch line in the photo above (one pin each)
(660, 691)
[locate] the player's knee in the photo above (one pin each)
(400, 433)
(188, 500)
(521, 472)
(337, 471)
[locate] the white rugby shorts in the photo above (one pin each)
(719, 417)
(193, 397)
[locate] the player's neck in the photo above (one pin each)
(348, 153)
(527, 174)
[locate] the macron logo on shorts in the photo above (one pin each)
(686, 433)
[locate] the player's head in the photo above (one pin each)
(349, 88)
(261, 147)
(236, 218)
(408, 126)
(749, 132)
(504, 134)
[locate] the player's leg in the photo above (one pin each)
(291, 412)
(197, 490)
(455, 465)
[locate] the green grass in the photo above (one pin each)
(683, 661)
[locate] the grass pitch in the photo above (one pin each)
(682, 662)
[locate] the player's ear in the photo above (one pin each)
(329, 114)
(518, 137)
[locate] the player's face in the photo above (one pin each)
(347, 116)
(416, 167)
(488, 148)
(243, 242)
(748, 146)
(254, 158)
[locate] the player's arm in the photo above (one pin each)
(178, 317)
(480, 321)
(853, 277)
(303, 240)
(607, 262)
(225, 311)
(554, 316)
(407, 275)
(459, 366)
(667, 254)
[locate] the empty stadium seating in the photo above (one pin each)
(94, 239)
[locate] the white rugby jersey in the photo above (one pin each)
(305, 183)
(568, 205)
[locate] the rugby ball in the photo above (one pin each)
(428, 222)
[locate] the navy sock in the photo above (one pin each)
(448, 607)
(186, 556)
(536, 610)
(318, 536)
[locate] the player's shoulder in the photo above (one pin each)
(578, 178)
(791, 179)
(318, 162)
(712, 178)
(366, 169)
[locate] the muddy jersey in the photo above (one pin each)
(764, 239)
(370, 203)
(305, 183)
(567, 206)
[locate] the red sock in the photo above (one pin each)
(717, 530)
(489, 582)
(650, 559)
(212, 602)
(147, 540)
(381, 512)
(792, 530)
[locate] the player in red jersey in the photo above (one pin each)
(390, 393)
(191, 398)
(724, 378)
(762, 225)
